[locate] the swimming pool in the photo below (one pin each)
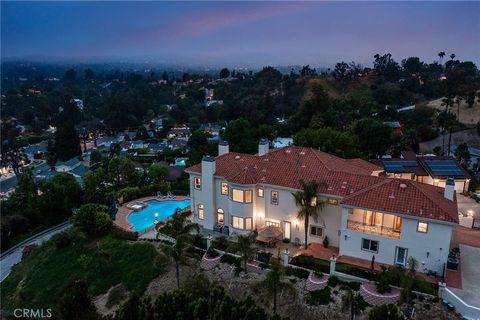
(144, 218)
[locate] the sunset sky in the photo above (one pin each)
(235, 34)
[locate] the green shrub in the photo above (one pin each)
(304, 261)
(286, 240)
(354, 285)
(426, 306)
(319, 297)
(227, 258)
(301, 273)
(289, 271)
(212, 253)
(318, 273)
(93, 219)
(65, 238)
(129, 193)
(385, 312)
(421, 285)
(116, 295)
(383, 281)
(120, 233)
(325, 242)
(406, 291)
(199, 241)
(360, 302)
(221, 243)
(333, 281)
(263, 265)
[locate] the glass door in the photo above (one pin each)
(401, 256)
(287, 227)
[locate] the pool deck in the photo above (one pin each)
(121, 219)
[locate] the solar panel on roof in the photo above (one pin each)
(398, 165)
(445, 168)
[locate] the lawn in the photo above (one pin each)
(39, 279)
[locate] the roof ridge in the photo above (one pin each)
(385, 181)
(422, 190)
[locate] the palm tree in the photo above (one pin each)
(441, 54)
(245, 247)
(458, 101)
(177, 226)
(452, 56)
(308, 204)
(349, 302)
(178, 253)
(274, 282)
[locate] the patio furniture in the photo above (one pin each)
(270, 232)
(268, 242)
(160, 194)
(170, 195)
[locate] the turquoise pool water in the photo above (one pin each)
(143, 219)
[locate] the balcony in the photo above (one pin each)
(373, 229)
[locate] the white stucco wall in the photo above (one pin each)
(436, 242)
(460, 185)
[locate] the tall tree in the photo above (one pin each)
(274, 282)
(441, 54)
(375, 137)
(245, 246)
(67, 141)
(308, 204)
(224, 73)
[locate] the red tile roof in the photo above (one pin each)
(287, 166)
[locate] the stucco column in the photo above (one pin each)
(209, 241)
(441, 289)
(333, 262)
(286, 257)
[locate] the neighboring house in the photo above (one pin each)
(78, 103)
(182, 132)
(35, 149)
(396, 126)
(66, 166)
(157, 147)
(213, 130)
(107, 141)
(432, 170)
(138, 144)
(157, 124)
(178, 143)
(364, 215)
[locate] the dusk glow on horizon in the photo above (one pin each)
(234, 33)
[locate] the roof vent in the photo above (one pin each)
(288, 151)
(237, 157)
(303, 166)
(391, 196)
(266, 159)
(403, 185)
(302, 153)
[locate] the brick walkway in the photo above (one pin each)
(369, 293)
(123, 212)
(318, 251)
(315, 283)
(209, 263)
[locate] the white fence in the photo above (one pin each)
(466, 310)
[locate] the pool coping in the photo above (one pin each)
(121, 218)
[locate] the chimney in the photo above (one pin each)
(223, 148)
(208, 166)
(449, 189)
(263, 147)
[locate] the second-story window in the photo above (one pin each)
(422, 227)
(274, 197)
(260, 192)
(224, 188)
(197, 182)
(248, 196)
(237, 195)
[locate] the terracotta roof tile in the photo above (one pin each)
(287, 166)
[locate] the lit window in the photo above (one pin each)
(224, 188)
(248, 223)
(248, 196)
(197, 182)
(260, 192)
(316, 231)
(274, 197)
(333, 202)
(237, 195)
(422, 227)
(220, 216)
(237, 222)
(313, 202)
(201, 212)
(369, 245)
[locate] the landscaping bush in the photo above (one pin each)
(93, 219)
(120, 233)
(263, 265)
(301, 273)
(309, 262)
(286, 240)
(212, 253)
(360, 302)
(421, 285)
(200, 242)
(289, 271)
(385, 312)
(333, 281)
(227, 258)
(319, 297)
(221, 243)
(354, 285)
(66, 238)
(318, 273)
(129, 193)
(406, 292)
(325, 242)
(383, 281)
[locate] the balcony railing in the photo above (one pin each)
(378, 230)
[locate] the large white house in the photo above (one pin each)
(364, 215)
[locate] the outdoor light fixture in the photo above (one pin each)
(156, 214)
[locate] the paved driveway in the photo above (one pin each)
(470, 260)
(15, 256)
(468, 206)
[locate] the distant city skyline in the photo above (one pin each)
(237, 34)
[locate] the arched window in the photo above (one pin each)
(201, 212)
(220, 216)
